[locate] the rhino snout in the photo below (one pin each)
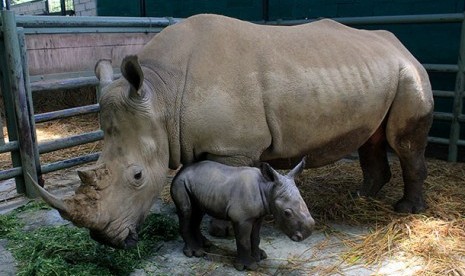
(305, 230)
(297, 237)
(126, 243)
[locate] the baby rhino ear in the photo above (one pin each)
(298, 169)
(268, 172)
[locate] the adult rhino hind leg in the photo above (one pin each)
(410, 145)
(408, 124)
(374, 163)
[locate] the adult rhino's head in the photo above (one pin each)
(287, 205)
(116, 194)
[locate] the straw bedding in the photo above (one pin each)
(434, 240)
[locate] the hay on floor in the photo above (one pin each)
(435, 240)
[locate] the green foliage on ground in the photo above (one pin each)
(68, 250)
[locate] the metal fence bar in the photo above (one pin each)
(10, 146)
(65, 113)
(443, 116)
(70, 141)
(442, 93)
(438, 140)
(70, 83)
(55, 166)
(64, 82)
(28, 21)
(458, 99)
(20, 98)
(372, 20)
(445, 68)
(83, 30)
(10, 173)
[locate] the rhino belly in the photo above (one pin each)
(326, 119)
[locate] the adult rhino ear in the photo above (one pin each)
(132, 72)
(269, 173)
(104, 72)
(298, 169)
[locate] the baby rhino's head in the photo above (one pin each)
(287, 205)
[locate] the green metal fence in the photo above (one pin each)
(17, 86)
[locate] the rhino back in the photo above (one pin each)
(267, 92)
(222, 191)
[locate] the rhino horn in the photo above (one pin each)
(52, 200)
(87, 176)
(90, 176)
(104, 72)
(298, 169)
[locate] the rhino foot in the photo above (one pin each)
(248, 266)
(408, 206)
(220, 228)
(261, 255)
(206, 243)
(199, 252)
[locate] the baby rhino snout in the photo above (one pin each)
(306, 228)
(297, 237)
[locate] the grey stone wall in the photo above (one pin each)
(30, 8)
(85, 7)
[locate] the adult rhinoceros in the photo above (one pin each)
(218, 88)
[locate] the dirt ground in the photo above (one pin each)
(320, 254)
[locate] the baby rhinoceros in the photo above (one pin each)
(242, 195)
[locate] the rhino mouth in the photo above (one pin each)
(129, 241)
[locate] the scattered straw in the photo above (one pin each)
(435, 241)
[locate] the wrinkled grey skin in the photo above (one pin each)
(242, 195)
(221, 89)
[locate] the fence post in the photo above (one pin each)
(458, 99)
(10, 113)
(25, 65)
(22, 107)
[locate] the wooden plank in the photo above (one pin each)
(58, 53)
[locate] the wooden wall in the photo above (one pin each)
(62, 53)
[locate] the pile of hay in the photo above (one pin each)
(435, 240)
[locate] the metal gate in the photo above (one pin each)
(17, 86)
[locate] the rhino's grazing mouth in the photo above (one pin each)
(129, 241)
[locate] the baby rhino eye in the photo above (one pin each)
(288, 213)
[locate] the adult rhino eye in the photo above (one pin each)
(134, 176)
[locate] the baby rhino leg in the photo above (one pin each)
(257, 253)
(189, 221)
(244, 260)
